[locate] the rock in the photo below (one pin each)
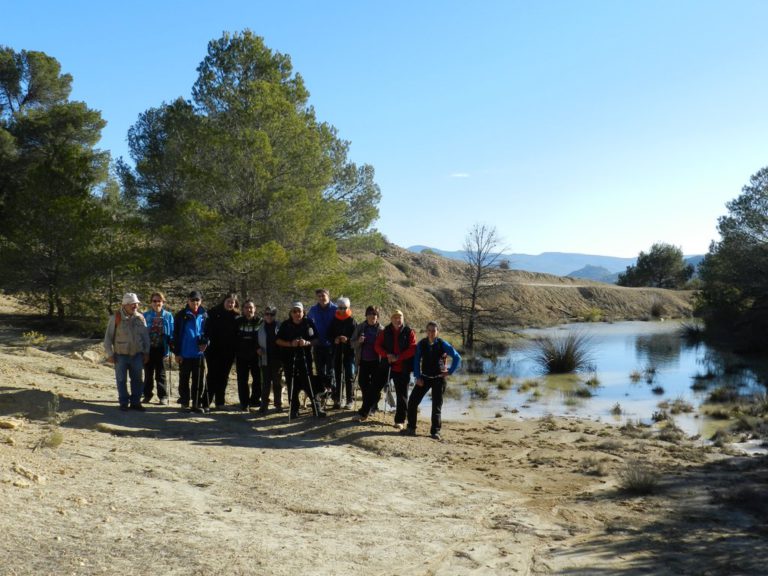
(28, 474)
(76, 356)
(10, 424)
(93, 357)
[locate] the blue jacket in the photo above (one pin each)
(160, 335)
(322, 317)
(189, 333)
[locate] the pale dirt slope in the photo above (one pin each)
(163, 492)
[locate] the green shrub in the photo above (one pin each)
(592, 315)
(638, 478)
(723, 394)
(562, 355)
(33, 338)
(616, 410)
(504, 384)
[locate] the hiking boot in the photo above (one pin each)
(146, 399)
(199, 409)
(163, 401)
(399, 426)
(124, 407)
(408, 431)
(349, 406)
(138, 407)
(337, 405)
(294, 415)
(436, 436)
(360, 418)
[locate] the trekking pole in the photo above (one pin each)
(388, 393)
(169, 392)
(315, 407)
(291, 384)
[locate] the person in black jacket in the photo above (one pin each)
(247, 357)
(221, 329)
(340, 334)
(295, 337)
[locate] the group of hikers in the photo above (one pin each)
(320, 352)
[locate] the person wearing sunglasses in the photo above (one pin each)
(160, 327)
(189, 344)
(340, 333)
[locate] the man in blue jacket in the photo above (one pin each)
(322, 315)
(189, 344)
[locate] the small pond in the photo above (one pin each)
(638, 366)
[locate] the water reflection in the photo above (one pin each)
(670, 369)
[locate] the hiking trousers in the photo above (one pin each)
(247, 367)
(154, 371)
(125, 366)
(437, 385)
(192, 369)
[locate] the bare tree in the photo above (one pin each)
(482, 252)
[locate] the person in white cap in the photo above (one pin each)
(126, 344)
(295, 337)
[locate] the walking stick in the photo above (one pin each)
(169, 392)
(315, 407)
(390, 399)
(291, 384)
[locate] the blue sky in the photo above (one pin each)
(596, 126)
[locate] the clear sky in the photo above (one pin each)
(595, 126)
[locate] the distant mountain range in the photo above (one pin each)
(587, 266)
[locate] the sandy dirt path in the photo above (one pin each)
(87, 489)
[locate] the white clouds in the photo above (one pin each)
(459, 175)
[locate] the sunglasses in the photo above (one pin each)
(342, 307)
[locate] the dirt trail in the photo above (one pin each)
(164, 492)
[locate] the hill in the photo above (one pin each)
(557, 263)
(420, 283)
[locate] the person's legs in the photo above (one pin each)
(149, 378)
(135, 367)
(162, 391)
(185, 373)
(243, 372)
(401, 393)
(349, 373)
(122, 361)
(276, 371)
(417, 395)
(255, 397)
(438, 390)
(200, 398)
(225, 367)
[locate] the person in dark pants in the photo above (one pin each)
(396, 346)
(269, 360)
(368, 372)
(431, 368)
(221, 330)
(322, 315)
(296, 337)
(189, 344)
(160, 326)
(247, 357)
(340, 334)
